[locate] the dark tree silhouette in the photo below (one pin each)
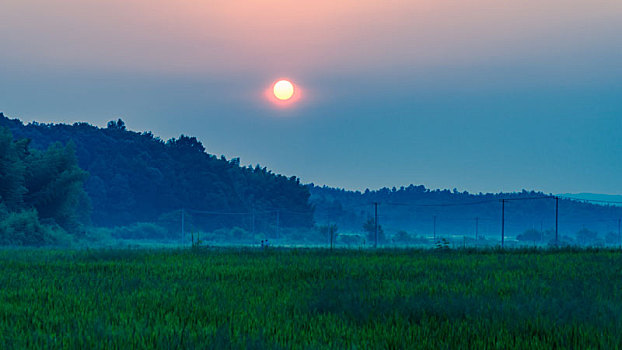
(136, 177)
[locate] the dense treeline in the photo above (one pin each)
(413, 209)
(41, 192)
(136, 177)
(137, 185)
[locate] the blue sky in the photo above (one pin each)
(481, 96)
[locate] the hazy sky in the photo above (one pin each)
(482, 95)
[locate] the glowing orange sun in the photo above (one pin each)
(283, 90)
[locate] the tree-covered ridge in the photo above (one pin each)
(137, 177)
(416, 208)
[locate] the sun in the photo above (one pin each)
(283, 90)
(283, 93)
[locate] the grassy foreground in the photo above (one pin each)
(245, 298)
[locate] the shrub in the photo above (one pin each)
(140, 230)
(612, 238)
(23, 228)
(350, 239)
(530, 235)
(402, 237)
(98, 235)
(586, 236)
(238, 233)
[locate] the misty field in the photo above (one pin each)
(310, 298)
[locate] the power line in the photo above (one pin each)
(502, 222)
(464, 219)
(376, 224)
(245, 212)
(556, 221)
(440, 204)
(528, 198)
(469, 203)
(589, 220)
(452, 204)
(216, 212)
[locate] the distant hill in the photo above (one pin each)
(137, 177)
(419, 210)
(597, 197)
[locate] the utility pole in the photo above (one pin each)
(556, 221)
(253, 220)
(476, 228)
(183, 234)
(502, 222)
(619, 237)
(376, 224)
(278, 213)
(434, 229)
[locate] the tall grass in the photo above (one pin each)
(310, 298)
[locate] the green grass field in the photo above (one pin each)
(310, 299)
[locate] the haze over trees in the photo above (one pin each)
(67, 177)
(418, 210)
(137, 177)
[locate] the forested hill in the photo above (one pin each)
(138, 177)
(420, 211)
